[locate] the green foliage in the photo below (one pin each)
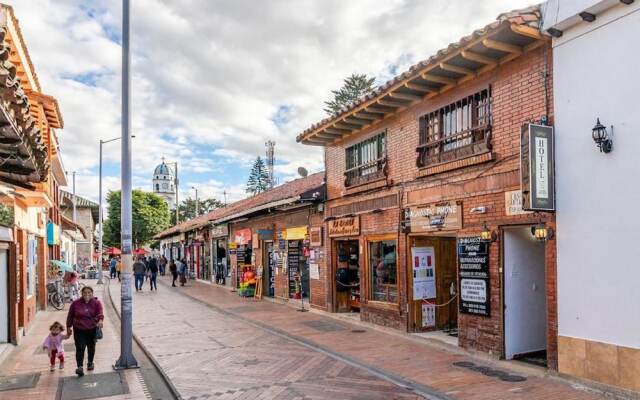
(6, 215)
(354, 87)
(187, 209)
(258, 178)
(150, 217)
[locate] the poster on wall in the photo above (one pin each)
(428, 315)
(424, 272)
(473, 272)
(314, 271)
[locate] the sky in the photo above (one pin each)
(213, 80)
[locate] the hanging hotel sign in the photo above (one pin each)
(349, 226)
(220, 230)
(433, 217)
(537, 168)
(473, 273)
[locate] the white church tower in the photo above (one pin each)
(164, 184)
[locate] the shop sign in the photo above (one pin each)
(6, 234)
(220, 230)
(53, 234)
(513, 203)
(537, 167)
(242, 236)
(473, 272)
(315, 236)
(265, 234)
(298, 233)
(349, 226)
(434, 217)
(424, 272)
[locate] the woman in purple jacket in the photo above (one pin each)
(85, 316)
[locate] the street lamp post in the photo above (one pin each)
(175, 164)
(197, 205)
(126, 360)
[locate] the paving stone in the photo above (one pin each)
(22, 381)
(92, 386)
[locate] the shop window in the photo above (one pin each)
(455, 131)
(383, 271)
(366, 161)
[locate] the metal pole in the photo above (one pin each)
(197, 205)
(74, 196)
(100, 219)
(126, 359)
(177, 199)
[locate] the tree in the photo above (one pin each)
(258, 178)
(353, 88)
(150, 217)
(187, 209)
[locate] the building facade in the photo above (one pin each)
(425, 226)
(597, 252)
(87, 220)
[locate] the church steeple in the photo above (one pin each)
(164, 183)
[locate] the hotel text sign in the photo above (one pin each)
(537, 168)
(344, 227)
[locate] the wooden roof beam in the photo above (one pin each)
(356, 121)
(527, 31)
(419, 88)
(438, 79)
(471, 56)
(456, 69)
(326, 135)
(389, 103)
(405, 96)
(344, 125)
(501, 46)
(336, 131)
(368, 116)
(377, 110)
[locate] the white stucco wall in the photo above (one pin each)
(598, 195)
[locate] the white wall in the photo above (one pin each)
(598, 195)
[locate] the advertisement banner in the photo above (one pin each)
(424, 272)
(473, 272)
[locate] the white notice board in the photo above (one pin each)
(423, 261)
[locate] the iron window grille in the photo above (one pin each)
(459, 130)
(366, 161)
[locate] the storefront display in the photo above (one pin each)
(383, 271)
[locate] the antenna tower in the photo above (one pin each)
(270, 144)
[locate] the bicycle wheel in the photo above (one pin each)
(57, 301)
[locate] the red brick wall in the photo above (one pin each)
(518, 93)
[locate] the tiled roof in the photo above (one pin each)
(288, 190)
(528, 18)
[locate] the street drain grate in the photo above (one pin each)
(358, 331)
(324, 326)
(68, 348)
(92, 386)
(23, 381)
(488, 371)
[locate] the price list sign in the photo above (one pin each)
(473, 264)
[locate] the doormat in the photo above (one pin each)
(68, 348)
(324, 326)
(22, 381)
(488, 371)
(92, 386)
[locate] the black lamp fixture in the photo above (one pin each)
(601, 137)
(487, 235)
(541, 232)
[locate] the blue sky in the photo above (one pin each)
(212, 82)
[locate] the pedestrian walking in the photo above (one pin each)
(84, 322)
(174, 272)
(74, 286)
(182, 270)
(118, 268)
(153, 271)
(139, 270)
(53, 345)
(163, 265)
(112, 268)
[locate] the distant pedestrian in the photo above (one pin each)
(112, 267)
(118, 268)
(182, 270)
(73, 285)
(83, 320)
(53, 345)
(153, 271)
(163, 265)
(174, 272)
(138, 271)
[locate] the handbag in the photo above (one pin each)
(99, 334)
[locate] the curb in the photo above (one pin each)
(147, 353)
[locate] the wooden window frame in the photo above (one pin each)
(368, 274)
(456, 131)
(358, 172)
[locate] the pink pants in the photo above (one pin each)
(52, 356)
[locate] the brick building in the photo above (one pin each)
(424, 228)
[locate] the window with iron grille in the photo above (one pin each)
(455, 131)
(366, 161)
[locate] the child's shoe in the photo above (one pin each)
(53, 367)
(61, 365)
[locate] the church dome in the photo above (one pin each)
(163, 169)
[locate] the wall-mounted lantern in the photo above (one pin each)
(601, 137)
(487, 235)
(541, 232)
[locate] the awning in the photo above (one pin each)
(62, 265)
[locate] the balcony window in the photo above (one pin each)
(459, 130)
(366, 161)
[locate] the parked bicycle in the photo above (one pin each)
(56, 294)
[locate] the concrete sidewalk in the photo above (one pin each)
(199, 323)
(28, 364)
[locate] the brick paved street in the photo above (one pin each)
(28, 358)
(224, 347)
